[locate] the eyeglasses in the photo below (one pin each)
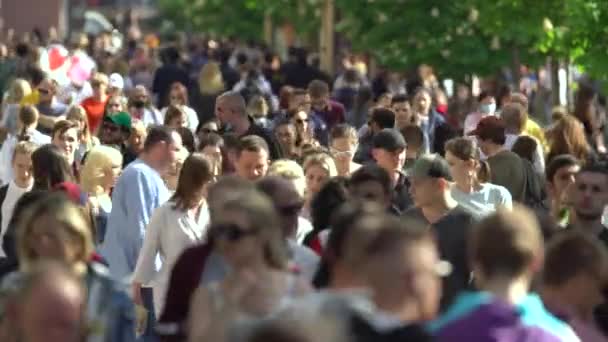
(291, 210)
(348, 153)
(302, 121)
(231, 232)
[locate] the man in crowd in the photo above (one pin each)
(560, 177)
(506, 251)
(381, 118)
(573, 279)
(389, 153)
(506, 167)
(115, 131)
(531, 128)
(515, 117)
(330, 111)
(231, 111)
(434, 206)
(372, 183)
(251, 158)
(49, 107)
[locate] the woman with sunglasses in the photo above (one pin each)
(344, 142)
(247, 233)
(304, 129)
(174, 226)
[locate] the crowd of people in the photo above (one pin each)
(214, 194)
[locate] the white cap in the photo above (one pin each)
(116, 81)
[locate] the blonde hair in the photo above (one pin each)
(100, 78)
(99, 159)
(78, 114)
(210, 79)
(70, 217)
(19, 89)
(24, 147)
(291, 171)
(257, 107)
(322, 160)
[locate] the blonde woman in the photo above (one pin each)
(52, 228)
(318, 169)
(87, 140)
(19, 89)
(211, 85)
(101, 169)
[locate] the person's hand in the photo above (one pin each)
(136, 294)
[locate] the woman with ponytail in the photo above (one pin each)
(471, 188)
(26, 131)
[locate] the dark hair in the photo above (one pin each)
(187, 138)
(28, 115)
(318, 88)
(413, 135)
(172, 113)
(483, 95)
(325, 203)
(383, 117)
(50, 168)
(525, 147)
(399, 98)
(595, 166)
(514, 116)
(158, 134)
(558, 162)
(466, 149)
(26, 201)
(195, 173)
(63, 126)
(211, 139)
(252, 143)
(372, 173)
(570, 254)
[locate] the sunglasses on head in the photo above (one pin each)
(231, 232)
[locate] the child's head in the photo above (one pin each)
(22, 163)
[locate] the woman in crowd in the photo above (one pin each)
(318, 169)
(526, 147)
(343, 142)
(26, 124)
(173, 227)
(248, 235)
(53, 228)
(285, 133)
(115, 104)
(98, 176)
(471, 188)
(567, 136)
(175, 117)
(18, 90)
(486, 106)
(304, 130)
(210, 85)
(212, 146)
(50, 167)
(188, 139)
(87, 140)
(65, 136)
(96, 104)
(591, 115)
(178, 98)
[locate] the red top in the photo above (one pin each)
(333, 114)
(95, 110)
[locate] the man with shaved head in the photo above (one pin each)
(231, 111)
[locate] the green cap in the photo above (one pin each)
(431, 165)
(122, 119)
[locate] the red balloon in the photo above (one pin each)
(56, 58)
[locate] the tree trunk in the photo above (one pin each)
(326, 47)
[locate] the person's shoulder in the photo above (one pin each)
(336, 106)
(496, 190)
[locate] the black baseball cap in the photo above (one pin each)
(431, 165)
(389, 139)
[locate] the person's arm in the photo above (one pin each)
(48, 121)
(144, 269)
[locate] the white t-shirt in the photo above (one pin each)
(190, 114)
(13, 193)
(485, 201)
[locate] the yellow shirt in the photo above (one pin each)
(32, 99)
(534, 130)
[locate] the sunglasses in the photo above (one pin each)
(291, 210)
(111, 128)
(231, 232)
(208, 130)
(44, 91)
(302, 121)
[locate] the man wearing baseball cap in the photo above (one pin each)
(389, 153)
(430, 188)
(115, 131)
(116, 84)
(506, 168)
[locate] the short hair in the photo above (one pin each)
(570, 254)
(506, 243)
(100, 78)
(400, 98)
(558, 162)
(521, 99)
(289, 170)
(414, 136)
(252, 143)
(595, 166)
(70, 217)
(298, 92)
(158, 134)
(28, 115)
(98, 160)
(514, 116)
(483, 95)
(344, 131)
(322, 160)
(226, 187)
(25, 148)
(318, 88)
(372, 173)
(173, 112)
(327, 201)
(211, 139)
(525, 147)
(188, 140)
(235, 101)
(196, 172)
(383, 117)
(63, 126)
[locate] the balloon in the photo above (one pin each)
(57, 56)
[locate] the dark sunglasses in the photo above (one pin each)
(302, 121)
(231, 232)
(291, 210)
(44, 91)
(208, 130)
(111, 128)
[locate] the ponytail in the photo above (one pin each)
(23, 135)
